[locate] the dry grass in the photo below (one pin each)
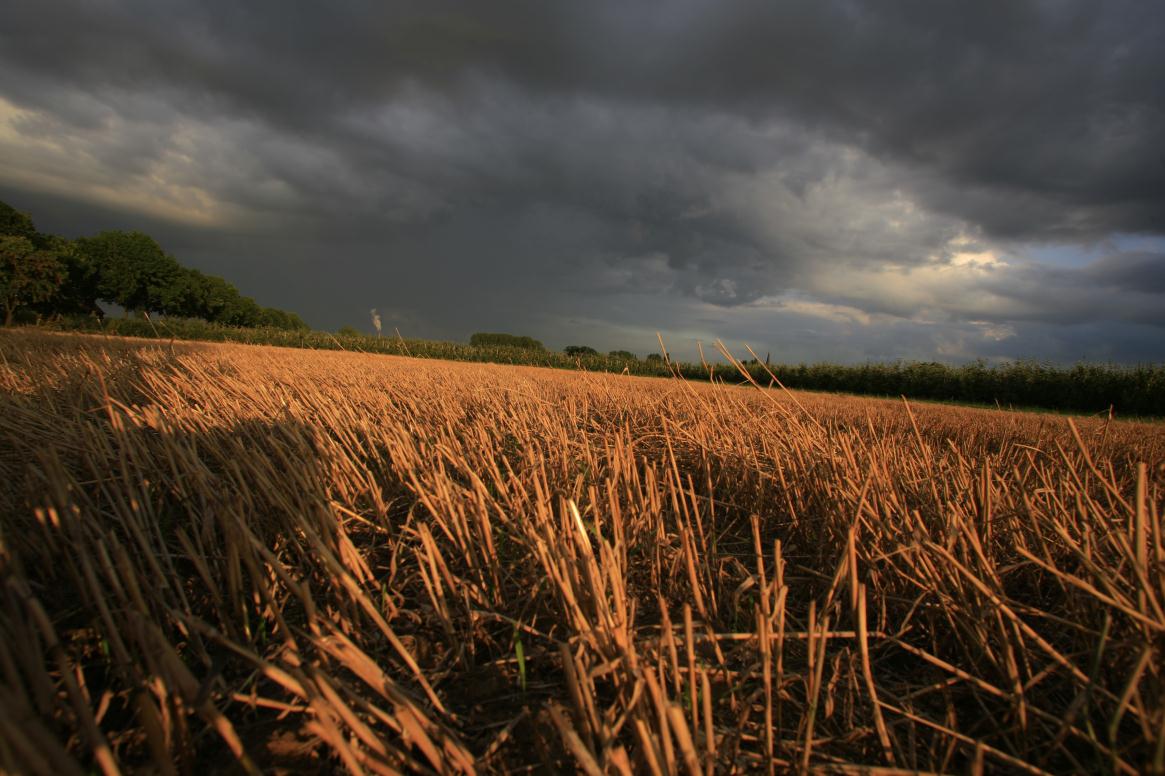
(244, 558)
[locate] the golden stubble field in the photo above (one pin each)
(246, 559)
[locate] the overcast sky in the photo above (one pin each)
(822, 180)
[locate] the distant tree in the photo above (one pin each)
(214, 299)
(295, 323)
(171, 293)
(487, 340)
(27, 274)
(348, 331)
(190, 294)
(626, 355)
(579, 350)
(271, 318)
(241, 311)
(280, 319)
(654, 358)
(135, 272)
(209, 297)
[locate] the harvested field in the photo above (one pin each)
(244, 559)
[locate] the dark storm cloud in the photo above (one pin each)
(549, 164)
(1119, 287)
(1134, 271)
(1043, 103)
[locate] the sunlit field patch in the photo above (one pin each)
(242, 557)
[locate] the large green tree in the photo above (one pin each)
(27, 274)
(134, 272)
(77, 294)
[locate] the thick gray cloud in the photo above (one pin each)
(829, 179)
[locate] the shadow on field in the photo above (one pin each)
(150, 529)
(180, 564)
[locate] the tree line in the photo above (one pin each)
(47, 276)
(498, 340)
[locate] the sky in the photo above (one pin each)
(821, 180)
